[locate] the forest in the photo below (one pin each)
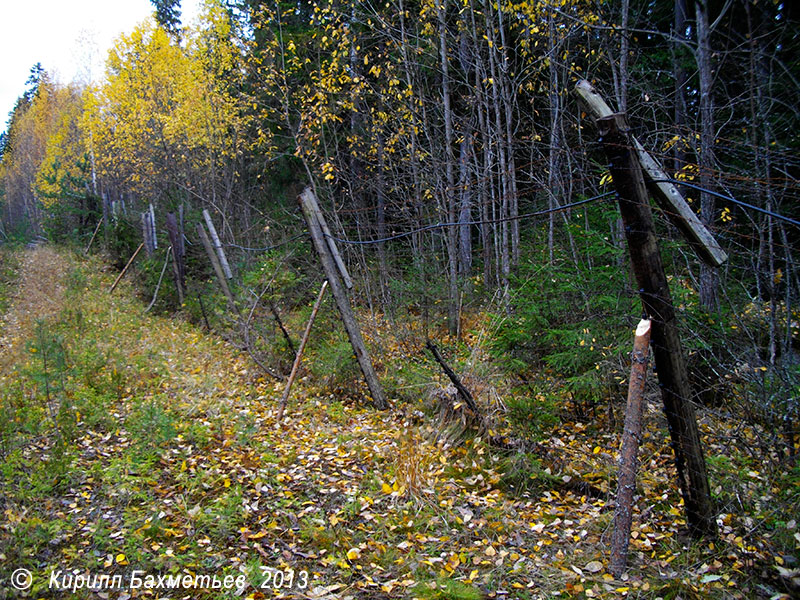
(332, 299)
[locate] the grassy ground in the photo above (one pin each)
(138, 446)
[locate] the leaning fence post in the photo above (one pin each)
(308, 202)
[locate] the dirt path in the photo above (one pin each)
(39, 295)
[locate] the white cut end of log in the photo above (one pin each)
(643, 327)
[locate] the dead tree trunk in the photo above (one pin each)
(631, 437)
(637, 218)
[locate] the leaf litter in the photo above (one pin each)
(177, 466)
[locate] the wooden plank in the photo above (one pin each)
(299, 356)
(667, 196)
(223, 260)
(307, 203)
(670, 361)
(629, 449)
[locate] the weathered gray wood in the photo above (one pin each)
(153, 233)
(657, 302)
(665, 193)
(223, 260)
(307, 203)
(299, 356)
(628, 462)
(331, 243)
(201, 232)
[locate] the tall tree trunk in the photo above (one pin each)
(448, 194)
(709, 279)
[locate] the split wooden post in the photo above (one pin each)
(665, 193)
(631, 438)
(127, 266)
(322, 245)
(299, 356)
(223, 260)
(217, 267)
(94, 235)
(637, 219)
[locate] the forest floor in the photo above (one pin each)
(140, 446)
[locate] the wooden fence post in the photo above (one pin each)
(223, 260)
(217, 267)
(637, 218)
(299, 356)
(127, 266)
(308, 203)
(631, 437)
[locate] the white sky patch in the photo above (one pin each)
(71, 39)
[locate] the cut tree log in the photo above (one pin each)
(669, 199)
(628, 463)
(299, 356)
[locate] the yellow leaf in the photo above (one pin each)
(353, 554)
(257, 536)
(183, 466)
(596, 450)
(122, 559)
(386, 488)
(334, 520)
(226, 482)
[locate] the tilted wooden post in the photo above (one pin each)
(299, 356)
(631, 437)
(666, 194)
(308, 202)
(637, 219)
(223, 260)
(127, 266)
(217, 267)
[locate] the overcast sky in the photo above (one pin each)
(70, 38)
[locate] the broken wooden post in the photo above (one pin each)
(299, 356)
(666, 194)
(223, 260)
(308, 202)
(217, 267)
(125, 270)
(631, 438)
(94, 235)
(637, 218)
